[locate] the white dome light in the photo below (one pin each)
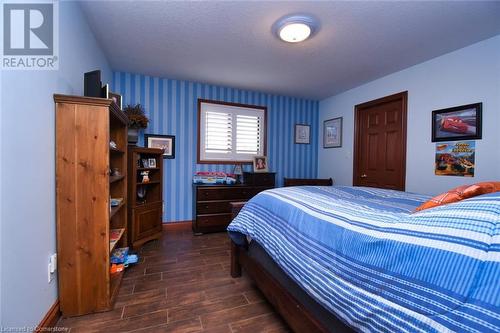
(295, 32)
(295, 28)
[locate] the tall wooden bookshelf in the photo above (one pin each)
(84, 185)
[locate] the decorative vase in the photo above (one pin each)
(133, 136)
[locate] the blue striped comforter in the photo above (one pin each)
(363, 255)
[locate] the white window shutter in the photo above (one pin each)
(230, 133)
(218, 132)
(248, 138)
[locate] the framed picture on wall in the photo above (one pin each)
(457, 123)
(165, 142)
(302, 134)
(332, 133)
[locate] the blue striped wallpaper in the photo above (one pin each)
(171, 106)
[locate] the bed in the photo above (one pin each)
(337, 258)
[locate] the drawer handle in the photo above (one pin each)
(206, 206)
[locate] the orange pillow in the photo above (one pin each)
(460, 193)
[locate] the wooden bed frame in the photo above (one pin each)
(297, 316)
(291, 310)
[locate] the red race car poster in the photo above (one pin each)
(457, 123)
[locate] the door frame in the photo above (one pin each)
(403, 97)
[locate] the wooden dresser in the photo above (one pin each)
(212, 209)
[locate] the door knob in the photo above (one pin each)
(364, 175)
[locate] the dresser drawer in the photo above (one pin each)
(212, 203)
(224, 193)
(216, 220)
(213, 207)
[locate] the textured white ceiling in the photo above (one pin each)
(231, 44)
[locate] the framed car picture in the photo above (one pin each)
(457, 123)
(332, 133)
(165, 142)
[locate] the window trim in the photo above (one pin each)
(248, 106)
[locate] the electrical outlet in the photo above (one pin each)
(51, 267)
(53, 263)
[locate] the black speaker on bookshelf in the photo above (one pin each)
(92, 86)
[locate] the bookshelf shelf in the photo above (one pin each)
(116, 209)
(113, 179)
(149, 183)
(116, 151)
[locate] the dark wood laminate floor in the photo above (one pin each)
(182, 284)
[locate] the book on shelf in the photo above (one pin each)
(114, 202)
(114, 237)
(119, 256)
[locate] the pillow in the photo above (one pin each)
(460, 193)
(480, 214)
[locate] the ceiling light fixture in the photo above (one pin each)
(295, 28)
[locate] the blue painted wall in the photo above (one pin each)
(28, 227)
(469, 75)
(171, 106)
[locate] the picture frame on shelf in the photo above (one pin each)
(145, 163)
(260, 164)
(151, 162)
(117, 98)
(302, 134)
(238, 170)
(164, 142)
(457, 123)
(332, 133)
(105, 91)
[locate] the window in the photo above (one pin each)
(230, 133)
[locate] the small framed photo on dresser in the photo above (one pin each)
(260, 164)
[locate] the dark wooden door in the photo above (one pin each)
(380, 143)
